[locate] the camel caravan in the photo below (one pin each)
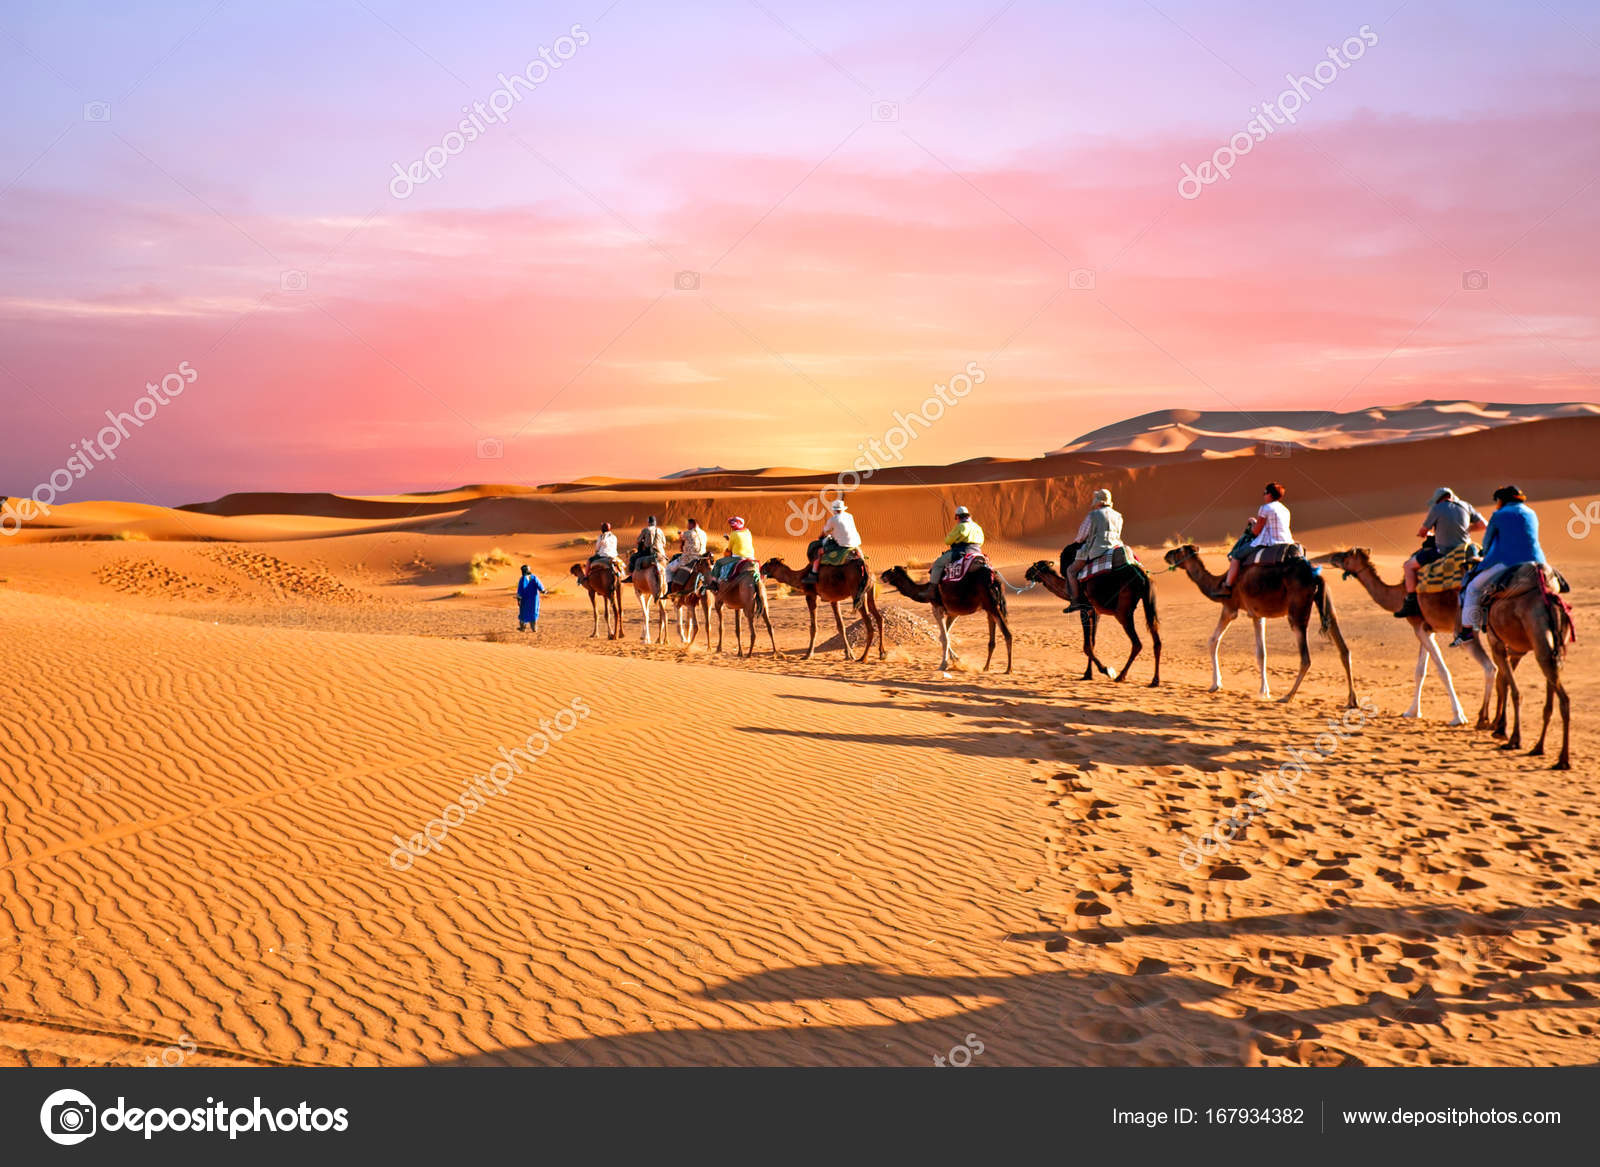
(1501, 601)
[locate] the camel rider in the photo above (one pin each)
(651, 544)
(1268, 527)
(1452, 522)
(691, 546)
(741, 545)
(1512, 539)
(839, 531)
(605, 549)
(965, 536)
(1099, 534)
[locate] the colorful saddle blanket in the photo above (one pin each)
(1275, 553)
(838, 556)
(961, 565)
(1110, 561)
(1446, 573)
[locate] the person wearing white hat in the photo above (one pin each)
(1099, 534)
(839, 531)
(1450, 522)
(965, 536)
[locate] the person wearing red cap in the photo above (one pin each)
(741, 545)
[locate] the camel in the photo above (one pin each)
(980, 590)
(1115, 593)
(1289, 589)
(1526, 617)
(693, 600)
(648, 586)
(851, 581)
(600, 579)
(1441, 612)
(747, 596)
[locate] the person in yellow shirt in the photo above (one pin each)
(965, 536)
(741, 545)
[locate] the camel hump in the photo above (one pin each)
(1522, 579)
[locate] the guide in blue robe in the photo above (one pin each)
(529, 589)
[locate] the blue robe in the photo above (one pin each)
(528, 591)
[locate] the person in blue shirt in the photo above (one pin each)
(1512, 539)
(529, 589)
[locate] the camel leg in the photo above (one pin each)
(644, 611)
(1489, 671)
(1261, 655)
(770, 636)
(875, 615)
(944, 638)
(811, 606)
(1005, 630)
(1421, 674)
(1514, 740)
(1502, 691)
(1087, 619)
(1344, 658)
(1458, 715)
(990, 657)
(1300, 631)
(866, 626)
(1134, 643)
(1215, 644)
(1155, 651)
(594, 628)
(838, 621)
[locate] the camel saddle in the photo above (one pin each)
(744, 564)
(1276, 553)
(1110, 561)
(959, 567)
(1524, 578)
(1446, 573)
(839, 556)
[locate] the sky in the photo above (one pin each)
(748, 233)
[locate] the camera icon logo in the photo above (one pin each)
(97, 111)
(1474, 280)
(885, 111)
(687, 281)
(293, 280)
(1081, 279)
(1277, 449)
(491, 448)
(68, 1117)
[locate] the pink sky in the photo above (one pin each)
(846, 264)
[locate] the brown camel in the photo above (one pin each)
(604, 581)
(1289, 589)
(647, 579)
(979, 590)
(1529, 616)
(688, 597)
(1117, 593)
(852, 581)
(747, 596)
(1441, 612)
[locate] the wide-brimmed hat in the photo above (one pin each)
(963, 513)
(1102, 497)
(736, 523)
(1510, 494)
(1443, 493)
(839, 507)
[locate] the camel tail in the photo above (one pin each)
(1562, 628)
(1324, 604)
(1149, 602)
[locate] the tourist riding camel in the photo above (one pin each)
(602, 579)
(741, 548)
(850, 580)
(691, 546)
(529, 589)
(979, 589)
(1449, 526)
(1269, 527)
(651, 544)
(746, 593)
(1098, 535)
(1512, 539)
(1291, 588)
(605, 549)
(964, 538)
(1118, 593)
(838, 534)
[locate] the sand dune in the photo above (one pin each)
(216, 731)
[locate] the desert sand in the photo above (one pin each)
(219, 718)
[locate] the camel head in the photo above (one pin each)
(772, 566)
(1178, 556)
(1039, 571)
(1352, 562)
(579, 572)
